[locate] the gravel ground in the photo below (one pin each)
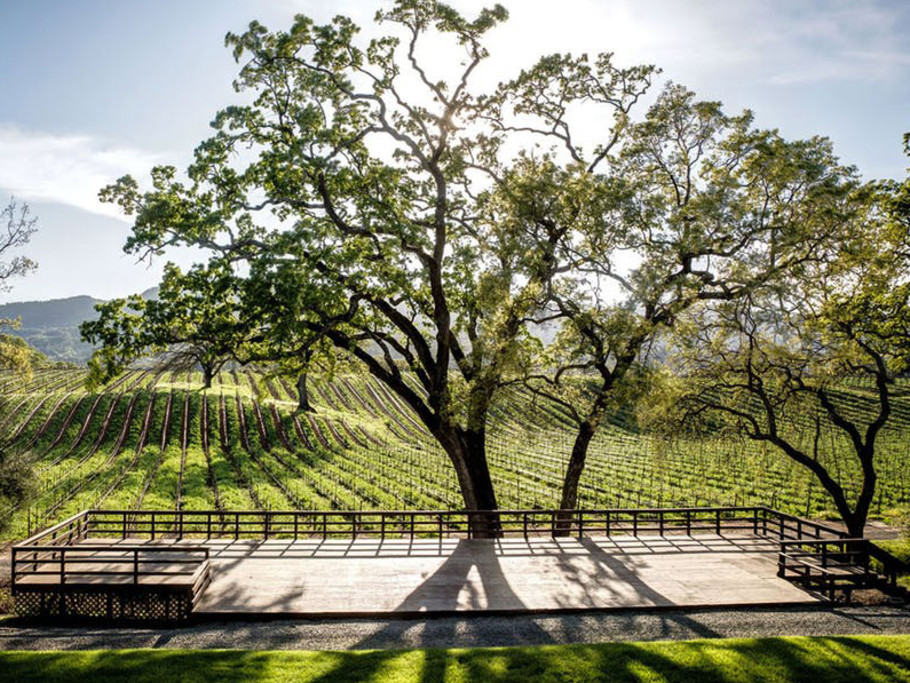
(475, 631)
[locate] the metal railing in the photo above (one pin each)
(107, 563)
(789, 527)
(63, 551)
(827, 565)
(889, 567)
(326, 524)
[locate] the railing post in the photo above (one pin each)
(382, 526)
(688, 522)
(353, 525)
(266, 524)
(439, 520)
(123, 530)
(717, 521)
(411, 536)
(755, 521)
(325, 526)
(524, 525)
(237, 526)
(62, 566)
(660, 522)
(135, 566)
(208, 527)
(635, 523)
(581, 524)
(296, 522)
(607, 523)
(866, 569)
(153, 526)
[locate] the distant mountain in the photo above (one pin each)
(53, 313)
(52, 326)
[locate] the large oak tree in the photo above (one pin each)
(353, 191)
(790, 364)
(686, 206)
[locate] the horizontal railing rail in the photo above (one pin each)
(87, 562)
(71, 530)
(789, 527)
(325, 524)
(294, 524)
(887, 565)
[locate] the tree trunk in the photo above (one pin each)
(303, 395)
(856, 522)
(569, 499)
(467, 451)
(586, 430)
(207, 375)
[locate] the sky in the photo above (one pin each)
(91, 90)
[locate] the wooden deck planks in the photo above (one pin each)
(397, 576)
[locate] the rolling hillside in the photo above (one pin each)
(52, 326)
(158, 442)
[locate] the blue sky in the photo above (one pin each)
(93, 89)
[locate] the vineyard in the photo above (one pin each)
(157, 441)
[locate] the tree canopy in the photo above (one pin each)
(373, 199)
(801, 351)
(693, 206)
(369, 170)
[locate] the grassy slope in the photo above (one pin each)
(833, 660)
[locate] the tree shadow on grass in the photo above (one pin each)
(832, 660)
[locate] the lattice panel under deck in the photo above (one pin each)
(147, 606)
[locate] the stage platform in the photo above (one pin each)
(369, 577)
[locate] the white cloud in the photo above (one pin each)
(66, 169)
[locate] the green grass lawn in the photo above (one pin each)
(821, 660)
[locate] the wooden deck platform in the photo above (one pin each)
(366, 577)
(133, 565)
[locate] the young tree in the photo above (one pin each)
(364, 199)
(693, 206)
(777, 365)
(195, 321)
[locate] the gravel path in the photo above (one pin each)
(472, 632)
